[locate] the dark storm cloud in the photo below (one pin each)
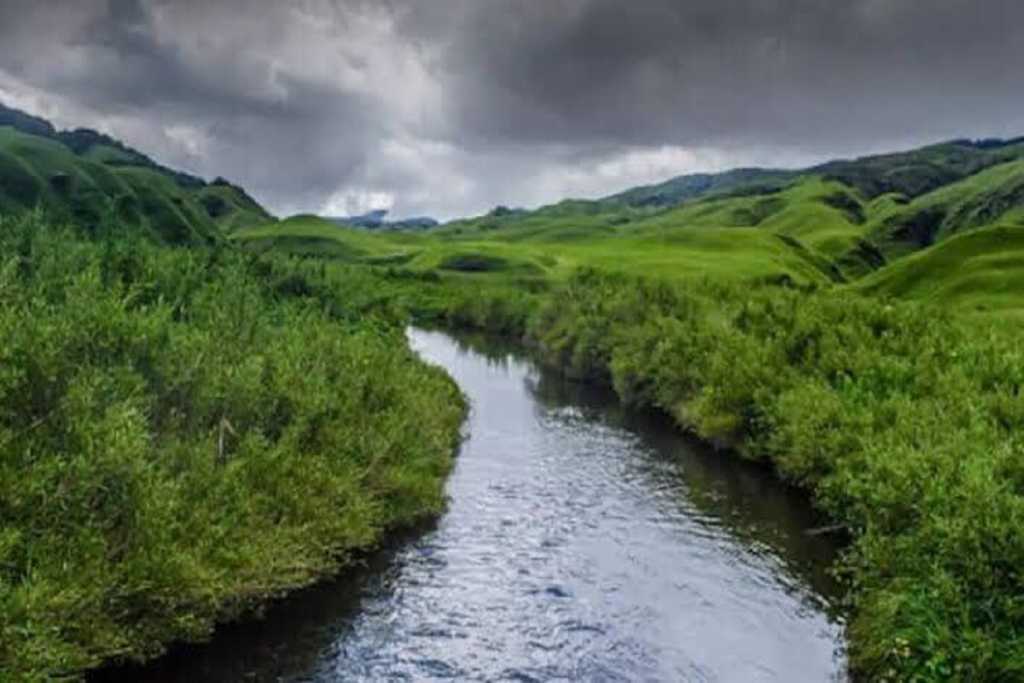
(292, 138)
(449, 106)
(774, 72)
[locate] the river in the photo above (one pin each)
(582, 542)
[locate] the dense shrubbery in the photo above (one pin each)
(907, 424)
(185, 433)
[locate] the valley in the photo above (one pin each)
(204, 407)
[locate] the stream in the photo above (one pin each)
(583, 542)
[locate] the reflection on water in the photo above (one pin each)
(582, 542)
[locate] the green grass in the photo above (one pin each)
(307, 235)
(980, 271)
(661, 245)
(188, 433)
(809, 229)
(824, 216)
(990, 197)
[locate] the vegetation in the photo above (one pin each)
(186, 433)
(906, 424)
(978, 272)
(84, 178)
(848, 223)
(176, 423)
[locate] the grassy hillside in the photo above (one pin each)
(91, 180)
(980, 271)
(659, 249)
(909, 173)
(919, 171)
(678, 190)
(989, 197)
(832, 224)
(307, 235)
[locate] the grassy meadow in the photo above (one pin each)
(935, 225)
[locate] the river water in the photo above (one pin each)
(582, 543)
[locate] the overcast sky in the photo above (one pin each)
(450, 107)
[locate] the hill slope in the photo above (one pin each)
(981, 270)
(847, 219)
(89, 179)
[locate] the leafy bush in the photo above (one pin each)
(184, 434)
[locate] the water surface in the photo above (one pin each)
(582, 543)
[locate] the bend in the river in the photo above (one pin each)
(582, 542)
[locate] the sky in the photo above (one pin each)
(448, 108)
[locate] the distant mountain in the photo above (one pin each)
(88, 178)
(681, 188)
(377, 220)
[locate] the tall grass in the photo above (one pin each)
(184, 434)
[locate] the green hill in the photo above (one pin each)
(981, 270)
(994, 195)
(682, 188)
(91, 179)
(307, 235)
(545, 247)
(837, 222)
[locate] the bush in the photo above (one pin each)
(184, 434)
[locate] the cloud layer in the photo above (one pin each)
(448, 107)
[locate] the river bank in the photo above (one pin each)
(582, 540)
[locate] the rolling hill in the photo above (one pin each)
(978, 271)
(747, 315)
(851, 222)
(91, 180)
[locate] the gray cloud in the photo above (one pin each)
(800, 72)
(451, 106)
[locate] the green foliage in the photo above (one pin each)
(919, 171)
(677, 190)
(186, 433)
(991, 197)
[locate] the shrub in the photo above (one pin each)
(185, 433)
